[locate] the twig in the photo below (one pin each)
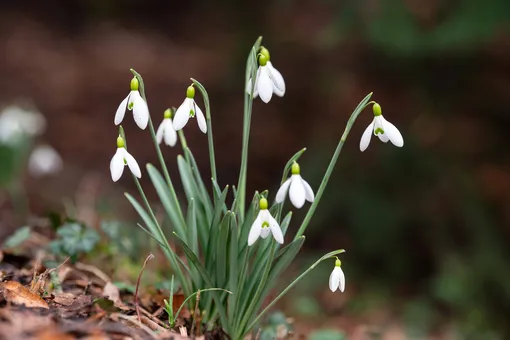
(150, 257)
(196, 312)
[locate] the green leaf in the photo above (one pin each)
(233, 264)
(326, 334)
(222, 251)
(169, 204)
(206, 200)
(205, 276)
(211, 250)
(16, 239)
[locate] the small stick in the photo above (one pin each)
(196, 315)
(150, 257)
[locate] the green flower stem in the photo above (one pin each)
(251, 72)
(158, 149)
(361, 106)
(184, 145)
(210, 139)
(258, 293)
(166, 246)
(292, 284)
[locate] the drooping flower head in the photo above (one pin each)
(166, 130)
(133, 102)
(17, 123)
(121, 159)
(44, 160)
(189, 109)
(382, 129)
(264, 224)
(268, 80)
(299, 190)
(337, 278)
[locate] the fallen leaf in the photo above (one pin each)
(64, 299)
(16, 293)
(111, 292)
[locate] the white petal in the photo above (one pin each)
(308, 191)
(117, 164)
(181, 115)
(121, 111)
(383, 137)
(264, 85)
(334, 278)
(140, 110)
(265, 232)
(255, 231)
(342, 280)
(200, 118)
(277, 78)
(132, 164)
(169, 132)
(275, 229)
(367, 135)
(297, 191)
(161, 131)
(44, 160)
(393, 134)
(248, 85)
(282, 192)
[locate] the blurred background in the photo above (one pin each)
(426, 227)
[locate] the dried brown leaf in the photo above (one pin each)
(16, 293)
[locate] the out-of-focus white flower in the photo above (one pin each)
(133, 102)
(15, 123)
(166, 130)
(268, 81)
(121, 159)
(264, 224)
(299, 191)
(189, 109)
(337, 278)
(44, 160)
(382, 129)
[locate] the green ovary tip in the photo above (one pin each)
(262, 60)
(264, 51)
(167, 113)
(295, 169)
(135, 84)
(120, 142)
(190, 92)
(338, 263)
(263, 203)
(376, 108)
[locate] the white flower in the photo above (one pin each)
(382, 129)
(15, 123)
(337, 278)
(133, 102)
(263, 225)
(299, 191)
(189, 109)
(166, 130)
(122, 158)
(268, 81)
(44, 160)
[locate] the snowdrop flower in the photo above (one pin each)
(166, 130)
(122, 158)
(382, 129)
(268, 81)
(264, 224)
(44, 160)
(299, 191)
(189, 109)
(15, 123)
(134, 102)
(337, 278)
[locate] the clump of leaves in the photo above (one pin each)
(74, 240)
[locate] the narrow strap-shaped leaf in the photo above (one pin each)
(169, 204)
(211, 249)
(206, 200)
(222, 251)
(233, 264)
(217, 194)
(191, 229)
(205, 276)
